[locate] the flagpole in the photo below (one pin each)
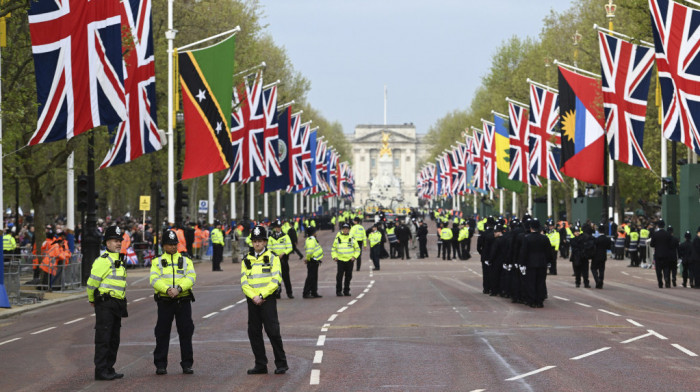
(549, 198)
(295, 205)
(170, 37)
(502, 201)
(233, 31)
(265, 205)
(210, 180)
(514, 208)
(4, 299)
(252, 200)
(251, 69)
(279, 203)
(529, 199)
(233, 201)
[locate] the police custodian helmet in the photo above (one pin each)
(169, 237)
(113, 233)
(258, 233)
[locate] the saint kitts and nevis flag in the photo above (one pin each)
(502, 142)
(582, 121)
(206, 78)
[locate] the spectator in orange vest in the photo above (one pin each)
(197, 244)
(181, 242)
(126, 242)
(57, 253)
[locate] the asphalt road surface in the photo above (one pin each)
(418, 325)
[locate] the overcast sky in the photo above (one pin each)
(430, 54)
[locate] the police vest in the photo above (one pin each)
(344, 248)
(8, 242)
(554, 239)
(358, 233)
(280, 246)
(446, 234)
(391, 234)
(260, 275)
(172, 271)
(374, 238)
(634, 241)
(313, 249)
(217, 236)
(106, 277)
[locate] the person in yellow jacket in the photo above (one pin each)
(314, 257)
(106, 291)
(280, 244)
(344, 252)
(358, 233)
(260, 279)
(554, 240)
(217, 243)
(375, 246)
(462, 239)
(172, 278)
(446, 238)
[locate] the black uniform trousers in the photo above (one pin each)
(553, 264)
(344, 269)
(265, 315)
(456, 251)
(423, 247)
(217, 255)
(598, 272)
(403, 250)
(311, 283)
(108, 323)
(181, 311)
(446, 251)
(284, 266)
(581, 272)
(486, 277)
(374, 253)
(536, 282)
(359, 258)
(663, 267)
(495, 270)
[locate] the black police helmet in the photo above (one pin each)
(113, 233)
(310, 231)
(169, 237)
(258, 233)
(345, 226)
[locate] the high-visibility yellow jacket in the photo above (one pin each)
(280, 246)
(264, 275)
(106, 278)
(345, 248)
(358, 233)
(313, 249)
(374, 238)
(446, 234)
(463, 234)
(175, 271)
(554, 239)
(8, 242)
(217, 236)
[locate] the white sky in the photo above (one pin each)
(430, 54)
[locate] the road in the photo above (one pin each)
(418, 325)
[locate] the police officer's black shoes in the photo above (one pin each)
(338, 293)
(281, 370)
(347, 293)
(118, 375)
(306, 296)
(105, 376)
(161, 371)
(187, 370)
(258, 370)
(316, 295)
(290, 296)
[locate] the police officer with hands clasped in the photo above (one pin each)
(172, 278)
(344, 251)
(260, 278)
(106, 290)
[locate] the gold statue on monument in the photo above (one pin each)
(385, 145)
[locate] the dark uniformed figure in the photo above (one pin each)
(582, 250)
(695, 258)
(685, 252)
(106, 290)
(662, 242)
(172, 278)
(673, 265)
(498, 257)
(217, 242)
(483, 246)
(260, 278)
(422, 234)
(535, 253)
(602, 245)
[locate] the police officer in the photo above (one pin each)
(375, 241)
(106, 290)
(664, 253)
(358, 233)
(172, 278)
(535, 253)
(217, 241)
(314, 257)
(280, 244)
(344, 252)
(260, 278)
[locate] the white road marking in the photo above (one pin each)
(360, 296)
(227, 307)
(325, 327)
(341, 310)
(657, 335)
(352, 302)
(366, 291)
(562, 298)
(73, 321)
(685, 350)
(241, 301)
(478, 390)
(92, 315)
(371, 282)
(586, 305)
(139, 299)
(321, 340)
(9, 341)
(637, 338)
(43, 330)
(530, 374)
(625, 273)
(332, 317)
(609, 312)
(637, 277)
(318, 357)
(600, 350)
(315, 377)
(636, 324)
(210, 314)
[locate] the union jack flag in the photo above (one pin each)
(332, 174)
(479, 177)
(139, 134)
(445, 173)
(247, 132)
(343, 179)
(519, 146)
(488, 154)
(308, 159)
(321, 166)
(677, 41)
(459, 180)
(271, 134)
(77, 51)
(626, 71)
(298, 153)
(544, 143)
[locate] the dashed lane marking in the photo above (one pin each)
(678, 346)
(366, 291)
(325, 327)
(315, 377)
(210, 314)
(139, 299)
(321, 340)
(625, 273)
(582, 304)
(43, 330)
(600, 350)
(360, 296)
(636, 338)
(341, 310)
(352, 302)
(609, 312)
(9, 341)
(657, 335)
(74, 321)
(332, 317)
(227, 307)
(478, 390)
(318, 356)
(562, 298)
(241, 301)
(530, 373)
(636, 324)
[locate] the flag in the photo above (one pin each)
(299, 133)
(519, 146)
(582, 122)
(332, 174)
(321, 167)
(139, 134)
(502, 143)
(478, 177)
(626, 71)
(206, 80)
(271, 133)
(488, 155)
(544, 142)
(677, 41)
(274, 182)
(459, 177)
(77, 49)
(309, 160)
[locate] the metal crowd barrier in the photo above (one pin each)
(23, 276)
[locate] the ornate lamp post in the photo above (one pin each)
(610, 13)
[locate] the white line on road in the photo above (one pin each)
(609, 312)
(139, 299)
(361, 295)
(352, 302)
(478, 390)
(600, 350)
(318, 357)
(315, 377)
(92, 315)
(325, 327)
(241, 301)
(530, 374)
(636, 324)
(366, 291)
(657, 335)
(685, 350)
(371, 282)
(562, 298)
(637, 338)
(43, 330)
(637, 277)
(73, 321)
(227, 307)
(9, 341)
(332, 317)
(341, 310)
(625, 273)
(586, 305)
(321, 340)
(210, 314)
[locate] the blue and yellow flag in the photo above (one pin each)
(503, 157)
